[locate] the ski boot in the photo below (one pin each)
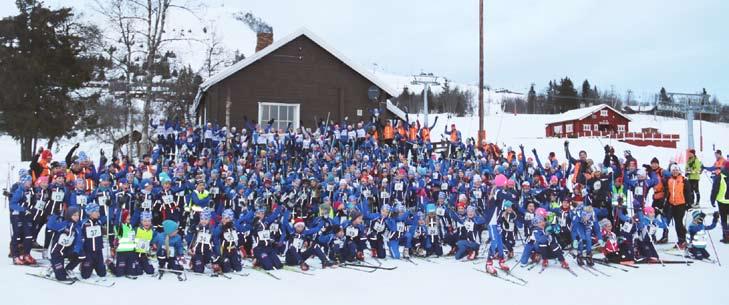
(564, 264)
(535, 257)
(510, 254)
(29, 260)
(503, 266)
(304, 267)
(328, 264)
(18, 260)
(406, 253)
(545, 262)
(490, 267)
(589, 261)
(360, 256)
(471, 255)
(580, 260)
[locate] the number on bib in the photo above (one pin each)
(143, 245)
(379, 227)
(93, 231)
(57, 196)
(40, 204)
(440, 211)
(398, 186)
(167, 199)
(298, 243)
(81, 199)
(273, 227)
(432, 230)
(203, 238)
(384, 195)
(230, 236)
(469, 225)
(477, 194)
(400, 227)
(65, 240)
(638, 191)
(264, 234)
(352, 231)
(147, 204)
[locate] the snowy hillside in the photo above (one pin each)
(439, 282)
(492, 99)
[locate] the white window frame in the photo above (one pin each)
(557, 129)
(621, 128)
(586, 127)
(296, 117)
(604, 112)
(595, 127)
(568, 128)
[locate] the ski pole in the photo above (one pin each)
(713, 247)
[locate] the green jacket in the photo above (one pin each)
(693, 168)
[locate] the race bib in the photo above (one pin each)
(264, 234)
(384, 195)
(652, 230)
(102, 200)
(626, 227)
(298, 243)
(142, 245)
(171, 253)
(250, 196)
(400, 226)
(203, 238)
(93, 231)
(638, 191)
(379, 227)
(352, 231)
(147, 204)
(528, 216)
(366, 193)
(214, 190)
(81, 199)
(230, 236)
(65, 240)
(444, 186)
(468, 225)
(273, 227)
(40, 204)
(477, 194)
(330, 187)
(167, 199)
(432, 230)
(398, 186)
(440, 211)
(562, 222)
(57, 196)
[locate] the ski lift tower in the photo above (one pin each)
(427, 80)
(692, 103)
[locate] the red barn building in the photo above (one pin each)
(606, 122)
(590, 121)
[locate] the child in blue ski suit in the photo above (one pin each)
(91, 243)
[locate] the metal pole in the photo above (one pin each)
(481, 131)
(425, 104)
(690, 122)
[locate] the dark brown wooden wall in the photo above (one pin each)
(298, 72)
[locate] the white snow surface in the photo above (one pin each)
(446, 281)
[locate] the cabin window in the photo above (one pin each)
(586, 127)
(568, 128)
(283, 114)
(603, 113)
(557, 129)
(621, 128)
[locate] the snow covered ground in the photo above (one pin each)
(428, 283)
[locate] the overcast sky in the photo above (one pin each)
(638, 45)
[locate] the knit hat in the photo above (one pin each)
(299, 222)
(205, 214)
(356, 214)
(91, 207)
(385, 207)
(169, 226)
(654, 160)
(325, 208)
(506, 204)
(41, 180)
(228, 213)
(46, 154)
(146, 215)
(430, 208)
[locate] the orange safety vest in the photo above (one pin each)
(375, 135)
(454, 135)
(425, 134)
(401, 131)
(576, 171)
(719, 164)
(413, 135)
(675, 191)
(45, 170)
(658, 192)
(388, 132)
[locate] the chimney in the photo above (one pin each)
(264, 40)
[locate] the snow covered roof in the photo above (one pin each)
(581, 113)
(225, 73)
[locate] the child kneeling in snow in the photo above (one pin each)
(697, 234)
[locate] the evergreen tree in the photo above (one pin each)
(663, 97)
(566, 95)
(44, 57)
(532, 100)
